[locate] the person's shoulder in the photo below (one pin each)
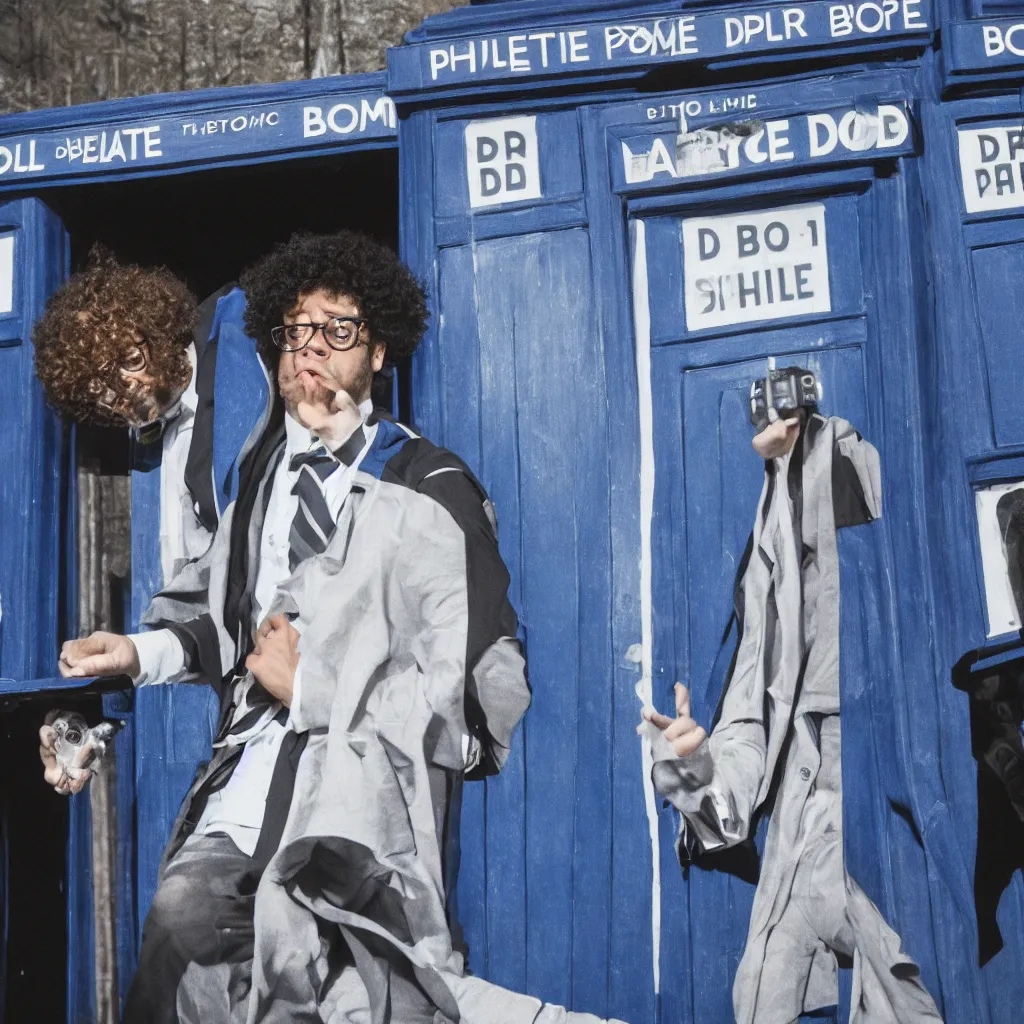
(402, 457)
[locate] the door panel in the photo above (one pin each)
(516, 337)
(33, 262)
(998, 271)
(37, 569)
(707, 479)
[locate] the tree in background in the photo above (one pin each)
(60, 52)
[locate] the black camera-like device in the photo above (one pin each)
(786, 391)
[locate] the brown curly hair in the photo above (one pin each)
(95, 319)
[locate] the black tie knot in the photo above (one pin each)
(323, 462)
(319, 460)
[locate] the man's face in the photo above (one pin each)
(135, 395)
(317, 372)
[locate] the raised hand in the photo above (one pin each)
(99, 654)
(682, 732)
(332, 422)
(778, 438)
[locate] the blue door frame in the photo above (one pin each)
(167, 731)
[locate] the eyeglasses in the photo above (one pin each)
(117, 386)
(340, 332)
(135, 359)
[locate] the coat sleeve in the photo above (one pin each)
(497, 693)
(856, 479)
(716, 789)
(189, 606)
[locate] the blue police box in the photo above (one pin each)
(620, 211)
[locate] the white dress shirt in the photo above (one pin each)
(182, 536)
(238, 808)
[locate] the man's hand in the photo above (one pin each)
(276, 657)
(99, 654)
(778, 438)
(65, 781)
(332, 422)
(682, 732)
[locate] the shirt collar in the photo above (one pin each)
(299, 439)
(190, 397)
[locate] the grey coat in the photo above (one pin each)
(777, 737)
(407, 645)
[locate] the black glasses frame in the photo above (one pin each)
(279, 337)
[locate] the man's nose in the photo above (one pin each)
(316, 349)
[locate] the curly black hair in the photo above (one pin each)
(343, 263)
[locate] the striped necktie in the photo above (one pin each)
(311, 531)
(313, 523)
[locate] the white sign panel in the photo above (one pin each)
(1003, 616)
(6, 273)
(502, 161)
(755, 266)
(990, 167)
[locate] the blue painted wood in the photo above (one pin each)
(191, 130)
(984, 50)
(630, 967)
(882, 316)
(505, 222)
(462, 376)
(910, 870)
(822, 138)
(562, 179)
(240, 394)
(529, 372)
(52, 686)
(960, 625)
(528, 880)
(32, 454)
(1000, 312)
(633, 43)
(32, 461)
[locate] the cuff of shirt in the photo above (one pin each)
(295, 722)
(161, 657)
(684, 781)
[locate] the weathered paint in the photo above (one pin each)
(544, 207)
(644, 686)
(872, 344)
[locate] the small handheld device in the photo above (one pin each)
(782, 393)
(73, 736)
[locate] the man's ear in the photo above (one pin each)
(377, 352)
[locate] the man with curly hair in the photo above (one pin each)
(113, 345)
(352, 611)
(125, 346)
